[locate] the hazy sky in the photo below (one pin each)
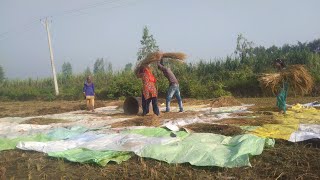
(84, 30)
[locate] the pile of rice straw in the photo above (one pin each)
(224, 101)
(157, 56)
(298, 77)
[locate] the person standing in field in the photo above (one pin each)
(149, 91)
(282, 95)
(173, 89)
(88, 92)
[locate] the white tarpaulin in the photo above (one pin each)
(11, 127)
(305, 132)
(212, 115)
(92, 141)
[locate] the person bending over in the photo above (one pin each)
(173, 89)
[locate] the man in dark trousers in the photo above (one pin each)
(173, 86)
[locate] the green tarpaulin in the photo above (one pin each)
(64, 133)
(200, 149)
(6, 143)
(90, 156)
(157, 132)
(204, 149)
(56, 134)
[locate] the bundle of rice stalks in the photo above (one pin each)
(270, 81)
(298, 77)
(177, 56)
(157, 56)
(152, 57)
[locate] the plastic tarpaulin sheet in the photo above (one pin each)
(101, 158)
(157, 132)
(14, 130)
(305, 132)
(206, 149)
(298, 124)
(117, 142)
(12, 127)
(65, 133)
(211, 115)
(278, 131)
(57, 134)
(200, 149)
(6, 144)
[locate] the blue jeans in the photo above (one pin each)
(173, 91)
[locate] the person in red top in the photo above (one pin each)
(149, 90)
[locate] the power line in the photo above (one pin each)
(22, 29)
(14, 30)
(17, 29)
(27, 26)
(109, 8)
(102, 3)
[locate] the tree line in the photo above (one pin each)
(233, 75)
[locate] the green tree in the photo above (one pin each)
(66, 70)
(148, 43)
(244, 49)
(87, 72)
(2, 76)
(109, 68)
(98, 66)
(128, 67)
(314, 45)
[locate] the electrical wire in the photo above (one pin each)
(73, 12)
(22, 29)
(102, 3)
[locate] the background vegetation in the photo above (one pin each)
(235, 74)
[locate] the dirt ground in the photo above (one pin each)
(285, 161)
(35, 108)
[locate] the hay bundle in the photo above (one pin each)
(157, 56)
(152, 57)
(270, 81)
(298, 77)
(175, 56)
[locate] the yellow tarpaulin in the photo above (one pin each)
(289, 122)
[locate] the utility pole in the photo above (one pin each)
(46, 24)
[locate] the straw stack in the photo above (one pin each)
(298, 77)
